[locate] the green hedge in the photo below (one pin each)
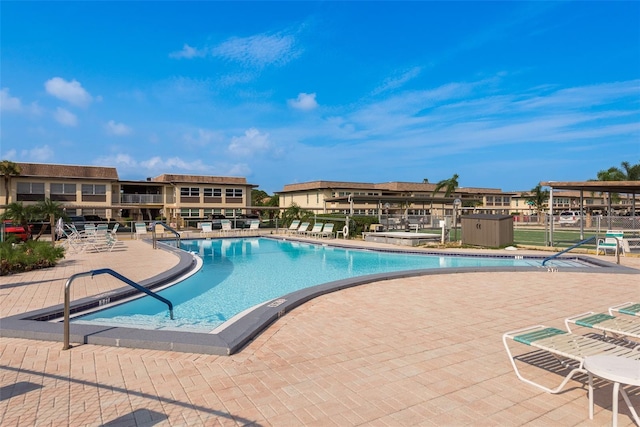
(27, 256)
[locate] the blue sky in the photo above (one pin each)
(505, 94)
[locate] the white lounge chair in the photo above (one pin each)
(612, 241)
(627, 328)
(570, 350)
(317, 228)
(630, 308)
(206, 229)
(141, 229)
(327, 230)
(254, 226)
(293, 227)
(303, 228)
(226, 226)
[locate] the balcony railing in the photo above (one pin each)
(141, 198)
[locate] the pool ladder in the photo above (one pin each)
(67, 289)
(166, 227)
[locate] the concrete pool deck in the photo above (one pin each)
(412, 351)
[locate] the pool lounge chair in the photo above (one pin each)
(613, 241)
(630, 308)
(317, 227)
(206, 228)
(615, 327)
(141, 229)
(293, 227)
(302, 229)
(226, 227)
(569, 349)
(327, 230)
(254, 226)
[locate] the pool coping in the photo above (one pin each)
(234, 335)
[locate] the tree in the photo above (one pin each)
(50, 209)
(294, 212)
(8, 169)
(19, 213)
(627, 173)
(449, 186)
(538, 199)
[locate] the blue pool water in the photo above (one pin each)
(238, 274)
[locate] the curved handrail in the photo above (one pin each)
(568, 249)
(166, 227)
(67, 288)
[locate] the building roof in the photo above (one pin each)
(200, 179)
(42, 170)
(624, 187)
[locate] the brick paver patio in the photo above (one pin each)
(420, 351)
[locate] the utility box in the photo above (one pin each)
(492, 231)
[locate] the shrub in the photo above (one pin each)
(31, 255)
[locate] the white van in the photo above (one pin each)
(570, 218)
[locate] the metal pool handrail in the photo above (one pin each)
(166, 227)
(67, 288)
(568, 249)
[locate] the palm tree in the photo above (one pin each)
(449, 186)
(627, 173)
(538, 199)
(19, 213)
(7, 170)
(51, 209)
(295, 212)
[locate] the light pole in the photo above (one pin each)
(456, 204)
(386, 209)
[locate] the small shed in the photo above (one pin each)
(491, 231)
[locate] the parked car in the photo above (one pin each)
(19, 231)
(94, 218)
(216, 221)
(77, 221)
(570, 218)
(243, 221)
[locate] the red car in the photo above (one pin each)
(17, 230)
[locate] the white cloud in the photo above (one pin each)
(259, 50)
(9, 155)
(71, 92)
(118, 129)
(38, 154)
(398, 81)
(187, 52)
(305, 101)
(65, 117)
(253, 141)
(8, 102)
(202, 137)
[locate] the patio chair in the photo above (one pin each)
(317, 228)
(206, 228)
(293, 227)
(613, 241)
(327, 230)
(569, 349)
(254, 225)
(303, 228)
(608, 325)
(226, 226)
(630, 308)
(141, 229)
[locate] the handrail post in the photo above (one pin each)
(67, 297)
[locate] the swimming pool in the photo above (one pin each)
(238, 274)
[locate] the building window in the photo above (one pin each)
(30, 188)
(190, 213)
(93, 189)
(63, 189)
(212, 192)
(233, 192)
(190, 191)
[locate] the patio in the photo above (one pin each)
(416, 351)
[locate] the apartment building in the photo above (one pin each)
(97, 190)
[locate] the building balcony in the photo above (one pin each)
(141, 199)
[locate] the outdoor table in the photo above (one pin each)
(618, 370)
